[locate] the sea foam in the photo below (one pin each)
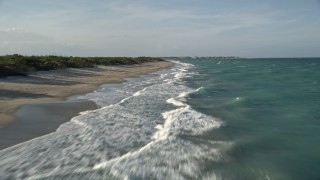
(135, 134)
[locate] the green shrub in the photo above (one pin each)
(21, 65)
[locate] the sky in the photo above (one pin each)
(246, 28)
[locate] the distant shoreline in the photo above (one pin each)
(57, 85)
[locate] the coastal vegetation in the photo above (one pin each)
(16, 64)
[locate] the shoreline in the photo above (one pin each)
(58, 85)
(35, 120)
(22, 118)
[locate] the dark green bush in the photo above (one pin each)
(21, 65)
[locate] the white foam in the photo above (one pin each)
(199, 89)
(132, 135)
(185, 120)
(184, 94)
(82, 124)
(175, 102)
(138, 93)
(166, 159)
(163, 76)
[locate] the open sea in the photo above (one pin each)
(244, 119)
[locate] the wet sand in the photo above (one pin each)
(57, 85)
(35, 105)
(34, 120)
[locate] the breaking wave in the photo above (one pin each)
(144, 129)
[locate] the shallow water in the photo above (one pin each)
(235, 119)
(143, 130)
(270, 108)
(34, 120)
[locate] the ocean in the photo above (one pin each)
(202, 119)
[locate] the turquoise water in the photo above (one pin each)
(246, 119)
(271, 112)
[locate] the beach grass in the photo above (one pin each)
(12, 65)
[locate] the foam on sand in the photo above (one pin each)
(145, 130)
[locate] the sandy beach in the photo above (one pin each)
(57, 85)
(34, 120)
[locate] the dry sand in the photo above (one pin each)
(57, 85)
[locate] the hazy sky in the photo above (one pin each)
(246, 28)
